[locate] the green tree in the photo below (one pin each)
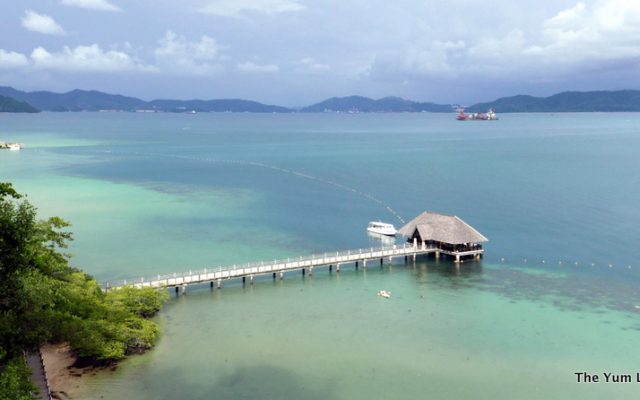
(43, 299)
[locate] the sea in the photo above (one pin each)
(557, 292)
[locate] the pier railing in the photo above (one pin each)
(271, 266)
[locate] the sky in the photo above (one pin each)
(298, 52)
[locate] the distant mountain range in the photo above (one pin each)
(83, 100)
(620, 100)
(12, 100)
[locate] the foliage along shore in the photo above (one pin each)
(45, 300)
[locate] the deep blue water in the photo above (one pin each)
(556, 194)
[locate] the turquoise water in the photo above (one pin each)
(556, 293)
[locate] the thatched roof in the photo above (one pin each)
(442, 228)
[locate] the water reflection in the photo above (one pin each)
(378, 240)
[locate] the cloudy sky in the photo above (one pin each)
(296, 52)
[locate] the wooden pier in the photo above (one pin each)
(306, 265)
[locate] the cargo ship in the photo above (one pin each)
(488, 116)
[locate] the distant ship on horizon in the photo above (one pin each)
(488, 116)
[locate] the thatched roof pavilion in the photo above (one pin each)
(442, 228)
(445, 233)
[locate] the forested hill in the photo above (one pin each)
(7, 104)
(620, 100)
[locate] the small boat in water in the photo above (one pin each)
(381, 228)
(384, 293)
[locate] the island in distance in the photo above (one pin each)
(13, 100)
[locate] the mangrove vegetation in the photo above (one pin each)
(43, 299)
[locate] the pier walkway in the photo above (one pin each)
(279, 267)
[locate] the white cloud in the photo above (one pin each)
(99, 5)
(41, 23)
(608, 30)
(86, 59)
(177, 55)
(576, 39)
(238, 8)
(11, 59)
(312, 65)
(252, 67)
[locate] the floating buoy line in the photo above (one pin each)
(560, 263)
(374, 199)
(276, 168)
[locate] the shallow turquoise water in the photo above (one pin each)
(161, 193)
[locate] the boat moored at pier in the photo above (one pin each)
(381, 228)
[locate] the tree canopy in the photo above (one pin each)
(44, 299)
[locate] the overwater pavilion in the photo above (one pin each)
(446, 234)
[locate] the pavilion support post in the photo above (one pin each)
(415, 242)
(310, 271)
(211, 284)
(424, 245)
(338, 267)
(303, 272)
(381, 261)
(437, 254)
(330, 267)
(183, 289)
(281, 275)
(364, 263)
(177, 289)
(274, 276)
(251, 279)
(219, 283)
(244, 280)
(457, 258)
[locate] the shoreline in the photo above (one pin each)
(65, 380)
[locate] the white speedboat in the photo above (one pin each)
(384, 293)
(14, 146)
(381, 228)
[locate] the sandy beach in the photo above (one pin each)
(65, 380)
